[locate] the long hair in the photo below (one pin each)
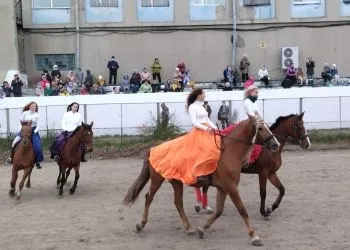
(69, 108)
(26, 107)
(193, 97)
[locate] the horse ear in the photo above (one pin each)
(301, 115)
(91, 124)
(82, 124)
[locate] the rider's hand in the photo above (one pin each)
(210, 130)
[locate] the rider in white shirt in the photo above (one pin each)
(251, 93)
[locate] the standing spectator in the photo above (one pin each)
(326, 73)
(264, 75)
(55, 72)
(244, 67)
(44, 81)
(145, 87)
(7, 88)
(223, 114)
(165, 115)
(48, 90)
(334, 73)
(39, 89)
(79, 76)
(156, 68)
(182, 67)
(113, 67)
(89, 80)
(229, 76)
(145, 76)
(178, 77)
(207, 108)
(310, 69)
(17, 85)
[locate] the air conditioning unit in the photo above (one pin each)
(290, 55)
(256, 2)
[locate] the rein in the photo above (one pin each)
(294, 141)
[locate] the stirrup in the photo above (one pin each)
(8, 161)
(56, 158)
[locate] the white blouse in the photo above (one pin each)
(263, 72)
(71, 121)
(29, 116)
(199, 116)
(251, 108)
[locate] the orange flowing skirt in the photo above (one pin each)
(187, 157)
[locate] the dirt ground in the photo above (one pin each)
(313, 215)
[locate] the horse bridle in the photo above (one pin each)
(295, 141)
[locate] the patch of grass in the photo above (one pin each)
(329, 136)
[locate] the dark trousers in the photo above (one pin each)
(114, 76)
(154, 88)
(224, 123)
(265, 80)
(244, 77)
(157, 75)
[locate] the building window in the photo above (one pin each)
(208, 2)
(155, 3)
(302, 2)
(256, 2)
(104, 3)
(51, 4)
(47, 61)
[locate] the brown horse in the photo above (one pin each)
(23, 158)
(286, 129)
(71, 155)
(238, 145)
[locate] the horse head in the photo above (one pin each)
(297, 131)
(26, 132)
(264, 136)
(88, 134)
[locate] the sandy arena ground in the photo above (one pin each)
(313, 215)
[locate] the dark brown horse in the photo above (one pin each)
(238, 145)
(23, 158)
(71, 155)
(286, 129)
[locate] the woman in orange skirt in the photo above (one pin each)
(194, 156)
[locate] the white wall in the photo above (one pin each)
(325, 108)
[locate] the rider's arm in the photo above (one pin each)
(248, 107)
(64, 121)
(37, 124)
(192, 112)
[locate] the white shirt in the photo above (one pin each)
(71, 121)
(251, 108)
(199, 116)
(29, 116)
(263, 72)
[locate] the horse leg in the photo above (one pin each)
(63, 181)
(67, 175)
(262, 184)
(178, 201)
(77, 175)
(277, 183)
(220, 202)
(236, 199)
(205, 206)
(13, 182)
(156, 182)
(58, 178)
(29, 185)
(21, 184)
(198, 206)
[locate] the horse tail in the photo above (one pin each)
(136, 188)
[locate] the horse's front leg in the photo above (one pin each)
(12, 191)
(262, 184)
(277, 183)
(77, 176)
(29, 185)
(63, 181)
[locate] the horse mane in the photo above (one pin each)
(279, 120)
(76, 130)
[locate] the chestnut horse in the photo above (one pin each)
(23, 158)
(286, 129)
(70, 155)
(238, 145)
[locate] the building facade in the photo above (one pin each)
(87, 33)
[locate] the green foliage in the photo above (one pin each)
(329, 136)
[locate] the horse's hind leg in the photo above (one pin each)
(12, 191)
(21, 184)
(178, 201)
(58, 182)
(156, 182)
(262, 185)
(63, 181)
(67, 174)
(236, 199)
(77, 175)
(29, 185)
(220, 202)
(277, 183)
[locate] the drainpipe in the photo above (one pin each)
(234, 32)
(77, 33)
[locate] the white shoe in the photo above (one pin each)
(208, 210)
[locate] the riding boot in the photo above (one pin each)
(10, 160)
(38, 165)
(203, 179)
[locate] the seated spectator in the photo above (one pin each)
(55, 72)
(145, 76)
(145, 87)
(101, 81)
(167, 86)
(334, 73)
(55, 88)
(7, 88)
(176, 86)
(229, 76)
(326, 73)
(227, 87)
(58, 81)
(39, 89)
(156, 68)
(188, 88)
(115, 90)
(178, 77)
(264, 75)
(291, 75)
(187, 77)
(63, 92)
(89, 80)
(301, 76)
(48, 90)
(48, 77)
(135, 78)
(125, 88)
(181, 66)
(72, 88)
(70, 78)
(96, 90)
(43, 81)
(84, 90)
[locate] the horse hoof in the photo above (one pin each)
(138, 228)
(60, 196)
(71, 192)
(267, 218)
(18, 198)
(268, 210)
(197, 208)
(58, 187)
(256, 241)
(28, 186)
(200, 233)
(12, 193)
(190, 232)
